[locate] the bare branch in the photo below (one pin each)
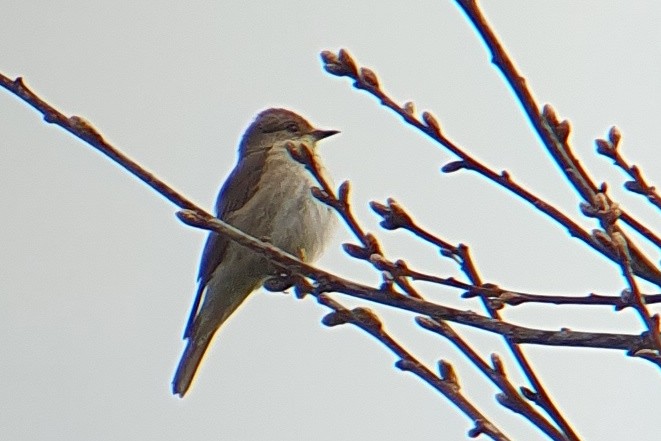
(447, 383)
(329, 282)
(509, 397)
(554, 134)
(610, 148)
(84, 131)
(641, 265)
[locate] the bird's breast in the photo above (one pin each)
(284, 210)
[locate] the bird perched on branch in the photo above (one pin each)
(267, 196)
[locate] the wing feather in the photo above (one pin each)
(239, 187)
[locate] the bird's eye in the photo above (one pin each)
(292, 127)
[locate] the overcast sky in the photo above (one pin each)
(97, 275)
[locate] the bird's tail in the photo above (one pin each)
(188, 364)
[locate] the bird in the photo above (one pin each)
(268, 196)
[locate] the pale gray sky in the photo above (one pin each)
(98, 275)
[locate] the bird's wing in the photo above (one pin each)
(241, 185)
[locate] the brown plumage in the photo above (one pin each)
(267, 195)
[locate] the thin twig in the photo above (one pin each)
(518, 298)
(553, 133)
(446, 383)
(341, 64)
(395, 216)
(610, 148)
(542, 397)
(83, 130)
(333, 283)
(509, 397)
(635, 297)
(196, 216)
(370, 249)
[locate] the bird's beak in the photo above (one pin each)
(321, 134)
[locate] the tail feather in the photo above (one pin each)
(203, 323)
(188, 365)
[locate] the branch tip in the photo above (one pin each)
(336, 65)
(447, 373)
(348, 62)
(393, 214)
(614, 136)
(343, 191)
(409, 108)
(356, 251)
(431, 122)
(529, 394)
(497, 364)
(562, 130)
(605, 148)
(453, 166)
(321, 195)
(369, 78)
(367, 318)
(478, 430)
(405, 365)
(548, 113)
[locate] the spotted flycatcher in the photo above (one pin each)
(268, 196)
